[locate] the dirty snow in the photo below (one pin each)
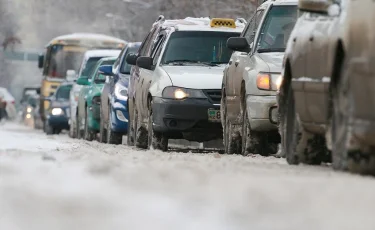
(53, 183)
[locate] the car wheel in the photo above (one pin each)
(131, 133)
(156, 140)
(112, 137)
(232, 140)
(87, 133)
(141, 139)
(353, 160)
(300, 146)
(103, 130)
(72, 130)
(48, 129)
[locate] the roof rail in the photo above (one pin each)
(160, 18)
(241, 20)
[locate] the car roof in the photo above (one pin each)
(88, 36)
(278, 2)
(108, 59)
(200, 24)
(101, 53)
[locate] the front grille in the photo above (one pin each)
(214, 95)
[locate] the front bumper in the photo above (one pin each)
(120, 116)
(186, 119)
(58, 122)
(259, 109)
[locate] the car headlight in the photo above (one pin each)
(121, 92)
(178, 93)
(29, 110)
(57, 111)
(268, 81)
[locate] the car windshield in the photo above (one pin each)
(62, 60)
(125, 68)
(192, 47)
(89, 66)
(276, 28)
(62, 92)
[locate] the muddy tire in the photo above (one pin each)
(141, 139)
(131, 129)
(231, 139)
(299, 146)
(103, 130)
(156, 140)
(48, 129)
(88, 134)
(354, 160)
(112, 137)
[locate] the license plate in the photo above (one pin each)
(214, 115)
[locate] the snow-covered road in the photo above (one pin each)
(57, 183)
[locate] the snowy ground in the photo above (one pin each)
(53, 183)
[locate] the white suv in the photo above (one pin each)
(177, 91)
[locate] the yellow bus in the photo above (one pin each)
(65, 53)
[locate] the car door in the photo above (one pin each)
(244, 58)
(147, 75)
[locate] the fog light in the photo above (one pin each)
(29, 110)
(28, 116)
(274, 115)
(121, 116)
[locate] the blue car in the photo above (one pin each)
(114, 99)
(58, 113)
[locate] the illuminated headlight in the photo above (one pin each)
(121, 92)
(268, 81)
(182, 93)
(29, 109)
(28, 116)
(57, 111)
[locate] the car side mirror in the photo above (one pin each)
(238, 44)
(83, 81)
(40, 61)
(145, 62)
(131, 59)
(106, 70)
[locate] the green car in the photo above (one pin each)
(88, 121)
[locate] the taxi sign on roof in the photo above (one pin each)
(223, 22)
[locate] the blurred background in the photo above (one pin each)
(27, 25)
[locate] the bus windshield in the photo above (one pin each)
(61, 60)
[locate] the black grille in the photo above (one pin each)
(214, 95)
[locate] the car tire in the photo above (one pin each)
(156, 140)
(103, 130)
(112, 137)
(353, 160)
(72, 131)
(87, 133)
(232, 141)
(48, 129)
(131, 131)
(299, 145)
(141, 139)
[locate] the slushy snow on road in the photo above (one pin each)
(57, 183)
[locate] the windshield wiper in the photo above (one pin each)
(181, 62)
(269, 50)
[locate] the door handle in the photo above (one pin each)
(236, 63)
(230, 62)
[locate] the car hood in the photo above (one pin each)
(274, 60)
(196, 77)
(123, 80)
(60, 104)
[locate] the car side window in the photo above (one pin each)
(252, 27)
(142, 48)
(158, 49)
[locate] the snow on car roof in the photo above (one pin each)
(101, 53)
(4, 93)
(88, 36)
(201, 24)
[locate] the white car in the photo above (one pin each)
(10, 103)
(89, 61)
(175, 90)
